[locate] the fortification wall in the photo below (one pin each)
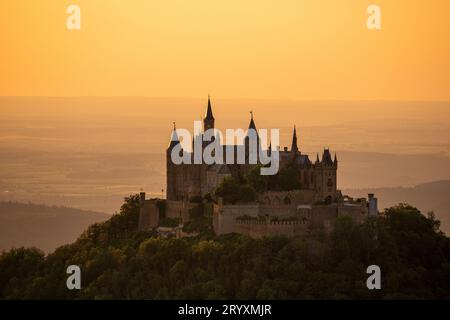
(294, 197)
(323, 215)
(178, 209)
(281, 211)
(357, 212)
(224, 216)
(261, 228)
(148, 215)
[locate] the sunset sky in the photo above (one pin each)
(293, 49)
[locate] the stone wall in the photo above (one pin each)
(261, 228)
(357, 212)
(178, 209)
(224, 216)
(148, 215)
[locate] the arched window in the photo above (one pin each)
(267, 200)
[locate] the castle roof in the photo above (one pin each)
(209, 113)
(294, 146)
(326, 157)
(174, 137)
(252, 123)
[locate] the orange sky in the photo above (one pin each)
(294, 49)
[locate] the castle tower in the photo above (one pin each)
(294, 147)
(248, 140)
(208, 121)
(326, 176)
(171, 168)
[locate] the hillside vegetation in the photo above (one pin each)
(118, 262)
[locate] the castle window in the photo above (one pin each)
(267, 200)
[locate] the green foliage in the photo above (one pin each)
(286, 179)
(233, 191)
(118, 262)
(200, 219)
(257, 181)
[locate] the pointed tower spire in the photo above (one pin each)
(208, 121)
(174, 137)
(209, 113)
(252, 123)
(335, 158)
(317, 159)
(294, 147)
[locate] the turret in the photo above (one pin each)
(326, 157)
(208, 121)
(248, 141)
(170, 166)
(294, 147)
(173, 138)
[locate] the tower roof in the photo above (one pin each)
(294, 146)
(326, 157)
(252, 123)
(209, 113)
(174, 137)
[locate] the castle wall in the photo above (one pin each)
(261, 228)
(148, 215)
(178, 209)
(323, 215)
(224, 216)
(281, 211)
(357, 212)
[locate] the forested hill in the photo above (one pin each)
(42, 226)
(116, 262)
(431, 196)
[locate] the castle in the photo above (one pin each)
(188, 181)
(316, 201)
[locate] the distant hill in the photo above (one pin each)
(432, 196)
(45, 227)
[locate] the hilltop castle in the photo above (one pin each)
(188, 181)
(315, 203)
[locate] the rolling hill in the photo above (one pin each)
(45, 227)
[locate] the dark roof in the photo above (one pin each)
(252, 123)
(326, 157)
(294, 146)
(209, 114)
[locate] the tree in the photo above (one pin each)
(287, 179)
